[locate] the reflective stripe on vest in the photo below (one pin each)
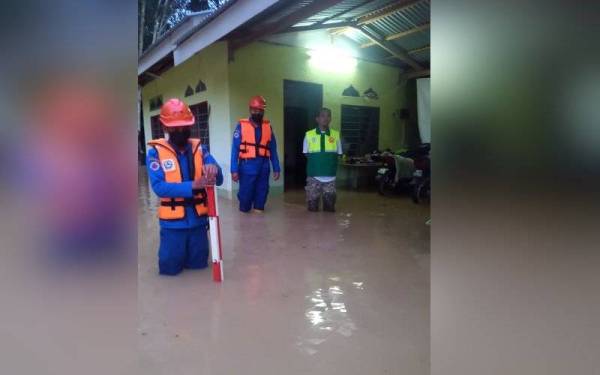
(313, 138)
(174, 208)
(248, 145)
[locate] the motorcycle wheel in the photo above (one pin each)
(422, 191)
(383, 186)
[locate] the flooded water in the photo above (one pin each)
(304, 293)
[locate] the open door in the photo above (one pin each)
(302, 101)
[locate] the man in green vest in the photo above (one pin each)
(322, 145)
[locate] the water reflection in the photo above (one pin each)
(328, 315)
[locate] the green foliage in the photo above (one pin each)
(155, 17)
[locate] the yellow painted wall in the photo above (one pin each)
(210, 65)
(260, 68)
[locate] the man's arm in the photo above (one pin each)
(305, 146)
(235, 148)
(274, 156)
(157, 180)
(208, 159)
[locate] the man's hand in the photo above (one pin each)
(203, 182)
(275, 176)
(235, 177)
(210, 171)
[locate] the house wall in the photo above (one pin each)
(210, 65)
(260, 69)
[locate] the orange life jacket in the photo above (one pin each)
(174, 208)
(249, 146)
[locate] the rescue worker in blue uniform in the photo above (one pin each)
(253, 151)
(179, 168)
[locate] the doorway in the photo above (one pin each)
(141, 140)
(301, 102)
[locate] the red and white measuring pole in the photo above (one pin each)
(215, 234)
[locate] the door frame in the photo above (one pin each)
(285, 102)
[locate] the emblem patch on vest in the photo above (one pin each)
(154, 166)
(168, 165)
(331, 139)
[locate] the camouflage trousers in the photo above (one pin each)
(315, 189)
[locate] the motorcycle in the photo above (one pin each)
(421, 182)
(407, 172)
(396, 174)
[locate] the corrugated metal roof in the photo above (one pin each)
(345, 10)
(412, 41)
(284, 12)
(419, 13)
(401, 20)
(357, 36)
(367, 8)
(337, 11)
(422, 56)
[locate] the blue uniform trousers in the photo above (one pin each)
(182, 248)
(254, 188)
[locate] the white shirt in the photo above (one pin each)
(339, 151)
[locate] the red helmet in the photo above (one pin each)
(258, 102)
(176, 113)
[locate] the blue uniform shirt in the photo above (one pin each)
(178, 189)
(253, 166)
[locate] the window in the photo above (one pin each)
(156, 128)
(360, 129)
(199, 129)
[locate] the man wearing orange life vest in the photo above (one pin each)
(179, 168)
(253, 149)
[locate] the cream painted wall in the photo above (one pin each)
(210, 65)
(260, 68)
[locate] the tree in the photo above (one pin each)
(155, 17)
(200, 5)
